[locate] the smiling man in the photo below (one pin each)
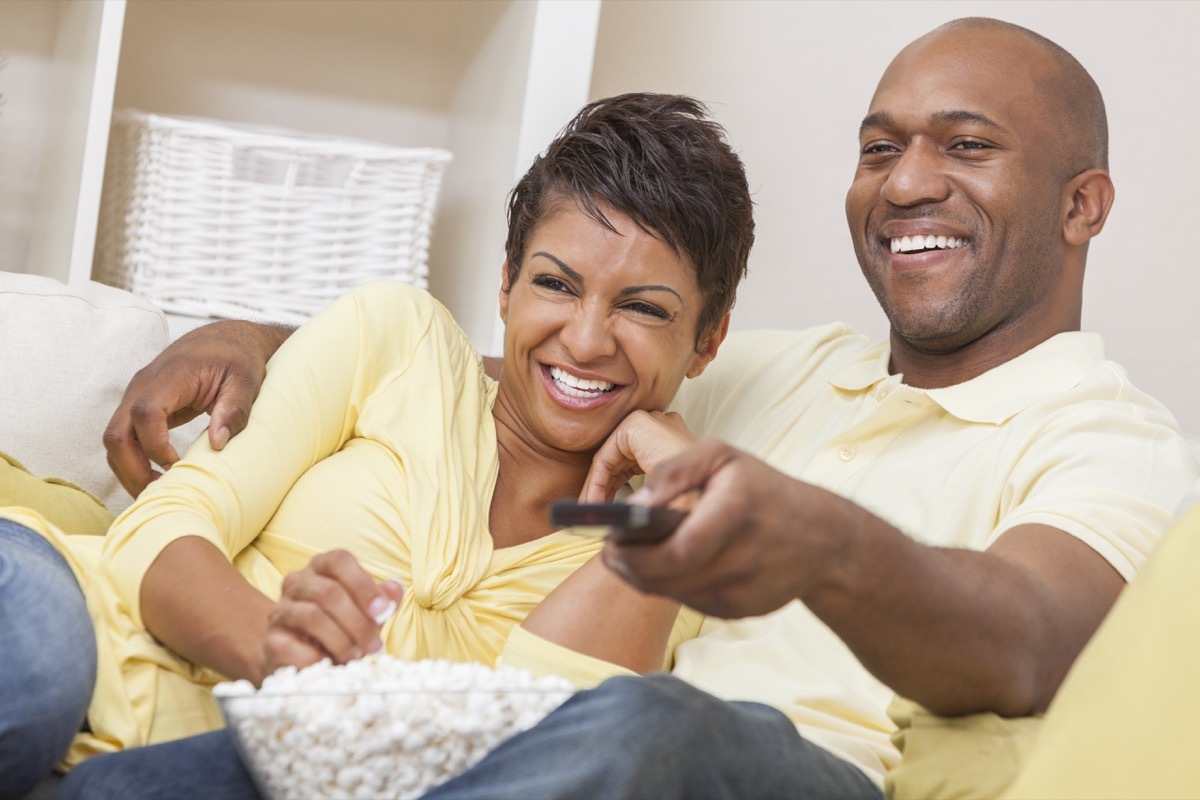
(945, 516)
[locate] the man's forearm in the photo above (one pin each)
(961, 631)
(197, 604)
(267, 337)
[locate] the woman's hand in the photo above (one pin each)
(330, 609)
(641, 441)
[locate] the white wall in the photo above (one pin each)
(791, 81)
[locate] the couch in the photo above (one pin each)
(66, 356)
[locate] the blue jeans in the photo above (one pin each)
(47, 658)
(654, 738)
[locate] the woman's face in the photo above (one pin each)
(598, 324)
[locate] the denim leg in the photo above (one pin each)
(205, 766)
(47, 658)
(659, 738)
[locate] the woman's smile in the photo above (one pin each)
(575, 392)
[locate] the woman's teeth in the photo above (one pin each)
(578, 387)
(909, 244)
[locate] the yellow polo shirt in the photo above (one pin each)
(1057, 436)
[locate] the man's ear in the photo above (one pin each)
(505, 288)
(706, 349)
(1087, 198)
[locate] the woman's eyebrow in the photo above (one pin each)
(650, 288)
(572, 274)
(628, 290)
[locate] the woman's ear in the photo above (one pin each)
(1088, 198)
(505, 288)
(706, 348)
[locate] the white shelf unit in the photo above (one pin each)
(490, 80)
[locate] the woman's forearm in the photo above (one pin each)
(596, 613)
(197, 604)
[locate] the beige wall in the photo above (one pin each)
(791, 81)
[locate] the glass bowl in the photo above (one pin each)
(384, 742)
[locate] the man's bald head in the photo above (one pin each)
(992, 139)
(1071, 97)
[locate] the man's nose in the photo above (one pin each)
(917, 177)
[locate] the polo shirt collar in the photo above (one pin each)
(1055, 365)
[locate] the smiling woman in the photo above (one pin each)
(381, 464)
(600, 322)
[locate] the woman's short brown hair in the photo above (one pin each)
(659, 160)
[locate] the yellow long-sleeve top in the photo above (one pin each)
(373, 433)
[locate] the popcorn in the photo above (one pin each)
(379, 727)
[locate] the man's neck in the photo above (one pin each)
(931, 369)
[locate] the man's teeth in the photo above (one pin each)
(908, 244)
(578, 387)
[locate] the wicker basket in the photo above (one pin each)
(216, 220)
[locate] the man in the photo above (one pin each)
(946, 516)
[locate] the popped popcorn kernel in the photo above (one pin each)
(379, 727)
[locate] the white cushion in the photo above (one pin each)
(66, 356)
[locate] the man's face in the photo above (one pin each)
(956, 205)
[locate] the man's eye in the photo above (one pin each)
(647, 308)
(879, 148)
(969, 146)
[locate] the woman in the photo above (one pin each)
(379, 454)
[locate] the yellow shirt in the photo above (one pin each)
(373, 432)
(1123, 724)
(1057, 436)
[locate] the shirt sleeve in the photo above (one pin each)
(1109, 473)
(755, 370)
(315, 386)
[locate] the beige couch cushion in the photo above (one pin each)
(66, 355)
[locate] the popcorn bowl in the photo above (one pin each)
(379, 727)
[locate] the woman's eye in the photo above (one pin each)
(552, 283)
(641, 307)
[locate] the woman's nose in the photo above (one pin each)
(587, 334)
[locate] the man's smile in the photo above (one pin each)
(916, 244)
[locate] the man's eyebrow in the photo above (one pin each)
(882, 119)
(943, 117)
(878, 119)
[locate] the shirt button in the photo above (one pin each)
(846, 453)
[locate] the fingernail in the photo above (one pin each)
(220, 438)
(381, 608)
(641, 497)
(375, 645)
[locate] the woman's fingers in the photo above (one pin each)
(298, 634)
(331, 607)
(642, 441)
